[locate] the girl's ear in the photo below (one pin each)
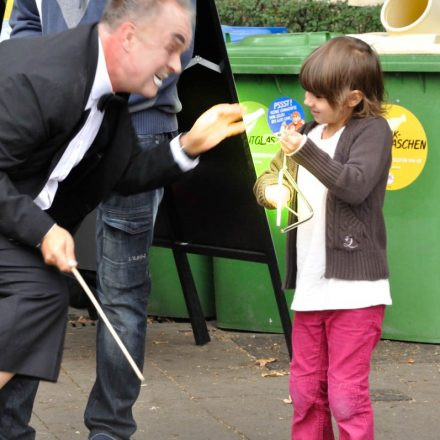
(354, 98)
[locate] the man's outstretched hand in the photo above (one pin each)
(213, 126)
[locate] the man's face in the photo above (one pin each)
(156, 48)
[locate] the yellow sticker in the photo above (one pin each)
(410, 147)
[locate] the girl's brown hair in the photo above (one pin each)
(341, 65)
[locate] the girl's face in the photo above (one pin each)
(324, 113)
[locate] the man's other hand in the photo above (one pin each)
(58, 249)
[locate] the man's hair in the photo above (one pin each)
(343, 64)
(118, 11)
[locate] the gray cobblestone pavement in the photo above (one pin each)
(233, 388)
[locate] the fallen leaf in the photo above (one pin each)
(81, 321)
(275, 373)
(263, 362)
(410, 361)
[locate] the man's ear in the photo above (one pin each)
(354, 98)
(127, 35)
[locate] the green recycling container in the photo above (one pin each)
(166, 297)
(265, 69)
(412, 205)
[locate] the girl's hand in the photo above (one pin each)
(277, 194)
(290, 140)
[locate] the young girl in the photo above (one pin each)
(341, 161)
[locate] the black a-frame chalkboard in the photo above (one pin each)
(212, 210)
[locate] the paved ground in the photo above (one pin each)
(220, 391)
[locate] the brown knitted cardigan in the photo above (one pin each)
(356, 178)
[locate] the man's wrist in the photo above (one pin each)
(45, 235)
(183, 143)
(184, 161)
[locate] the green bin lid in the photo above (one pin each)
(410, 63)
(274, 54)
(285, 53)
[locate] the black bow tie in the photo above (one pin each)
(104, 101)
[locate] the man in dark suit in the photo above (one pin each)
(63, 149)
(124, 227)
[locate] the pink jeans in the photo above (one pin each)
(329, 372)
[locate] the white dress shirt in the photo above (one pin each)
(79, 145)
(313, 290)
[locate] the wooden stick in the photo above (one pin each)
(101, 313)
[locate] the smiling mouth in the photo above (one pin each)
(158, 81)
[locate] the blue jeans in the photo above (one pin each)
(124, 232)
(16, 402)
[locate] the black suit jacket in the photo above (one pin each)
(44, 86)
